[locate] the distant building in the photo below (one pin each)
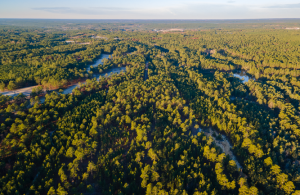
(293, 28)
(169, 30)
(173, 30)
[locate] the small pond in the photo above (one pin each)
(242, 75)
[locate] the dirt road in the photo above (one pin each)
(26, 91)
(224, 145)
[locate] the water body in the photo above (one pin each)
(27, 90)
(95, 64)
(111, 71)
(243, 76)
(98, 61)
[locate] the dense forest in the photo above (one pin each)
(177, 121)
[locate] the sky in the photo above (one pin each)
(151, 9)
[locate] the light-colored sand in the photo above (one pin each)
(224, 145)
(26, 91)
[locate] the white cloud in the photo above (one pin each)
(284, 6)
(188, 10)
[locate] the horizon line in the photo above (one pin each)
(144, 19)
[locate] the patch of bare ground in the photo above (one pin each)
(224, 144)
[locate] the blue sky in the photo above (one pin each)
(153, 9)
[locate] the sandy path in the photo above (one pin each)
(224, 145)
(26, 91)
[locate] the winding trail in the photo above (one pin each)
(224, 144)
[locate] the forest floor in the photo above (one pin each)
(224, 144)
